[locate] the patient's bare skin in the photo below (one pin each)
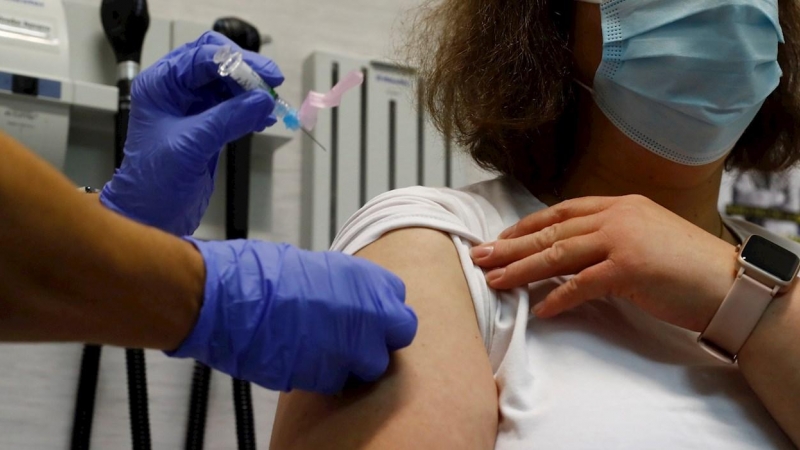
(439, 392)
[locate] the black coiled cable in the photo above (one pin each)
(236, 221)
(137, 399)
(198, 407)
(134, 357)
(84, 403)
(243, 406)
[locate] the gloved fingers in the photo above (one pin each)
(264, 67)
(183, 83)
(209, 37)
(401, 327)
(330, 383)
(195, 67)
(370, 363)
(385, 292)
(236, 117)
(209, 96)
(179, 64)
(190, 79)
(317, 368)
(400, 321)
(223, 88)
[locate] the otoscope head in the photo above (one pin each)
(125, 23)
(244, 34)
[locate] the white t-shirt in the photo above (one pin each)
(602, 376)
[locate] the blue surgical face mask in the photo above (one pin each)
(684, 78)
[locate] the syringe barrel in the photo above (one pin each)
(231, 64)
(247, 78)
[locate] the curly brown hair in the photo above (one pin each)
(497, 78)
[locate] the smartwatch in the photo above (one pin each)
(765, 269)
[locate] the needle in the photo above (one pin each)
(312, 138)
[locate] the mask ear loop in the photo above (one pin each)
(581, 84)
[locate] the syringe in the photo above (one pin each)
(231, 64)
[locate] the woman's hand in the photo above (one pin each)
(182, 114)
(623, 247)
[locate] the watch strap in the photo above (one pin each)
(736, 317)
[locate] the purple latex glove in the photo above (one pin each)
(286, 318)
(182, 115)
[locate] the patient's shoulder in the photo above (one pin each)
(446, 368)
(476, 213)
(440, 203)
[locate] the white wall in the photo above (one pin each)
(37, 383)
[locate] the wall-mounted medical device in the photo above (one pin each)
(36, 87)
(58, 94)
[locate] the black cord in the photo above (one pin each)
(85, 400)
(134, 358)
(236, 220)
(237, 200)
(137, 399)
(198, 407)
(125, 23)
(243, 406)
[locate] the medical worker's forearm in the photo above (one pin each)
(71, 270)
(770, 360)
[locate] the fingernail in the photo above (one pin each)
(481, 252)
(538, 309)
(508, 231)
(495, 275)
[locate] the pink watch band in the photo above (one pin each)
(736, 317)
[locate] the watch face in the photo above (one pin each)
(771, 258)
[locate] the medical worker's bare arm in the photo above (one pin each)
(71, 270)
(439, 392)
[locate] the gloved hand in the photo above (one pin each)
(182, 114)
(287, 319)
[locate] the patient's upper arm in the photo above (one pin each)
(439, 393)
